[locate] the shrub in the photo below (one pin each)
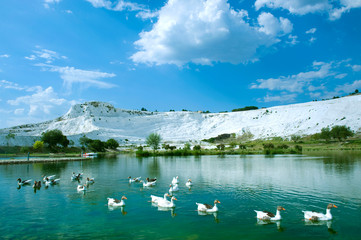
(341, 132)
(38, 145)
(197, 148)
(112, 144)
(153, 140)
(54, 137)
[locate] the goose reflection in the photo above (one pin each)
(165, 209)
(266, 222)
(121, 208)
(321, 223)
(215, 215)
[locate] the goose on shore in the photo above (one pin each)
(203, 207)
(316, 216)
(265, 215)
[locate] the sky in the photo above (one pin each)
(198, 55)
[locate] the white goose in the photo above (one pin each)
(81, 188)
(89, 181)
(116, 202)
(156, 199)
(131, 180)
(24, 182)
(316, 216)
(265, 215)
(174, 188)
(203, 207)
(166, 203)
(175, 180)
(51, 177)
(51, 182)
(148, 184)
(189, 183)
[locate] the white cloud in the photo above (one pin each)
(48, 2)
(121, 5)
(341, 75)
(348, 88)
(71, 75)
(204, 32)
(44, 54)
(292, 40)
(334, 8)
(311, 31)
(19, 111)
(281, 98)
(300, 7)
(41, 102)
(312, 39)
(10, 85)
(356, 68)
(273, 26)
(297, 82)
(4, 56)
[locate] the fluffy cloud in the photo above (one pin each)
(281, 98)
(297, 82)
(355, 68)
(348, 87)
(41, 102)
(71, 75)
(335, 8)
(44, 54)
(274, 26)
(10, 85)
(4, 56)
(121, 5)
(206, 31)
(48, 2)
(311, 31)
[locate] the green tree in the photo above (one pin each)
(84, 142)
(38, 145)
(187, 146)
(112, 144)
(153, 140)
(97, 146)
(8, 137)
(325, 134)
(341, 132)
(197, 148)
(53, 138)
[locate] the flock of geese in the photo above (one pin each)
(164, 202)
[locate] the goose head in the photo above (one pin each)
(329, 206)
(279, 208)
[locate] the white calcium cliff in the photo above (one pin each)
(99, 120)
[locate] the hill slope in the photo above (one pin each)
(98, 120)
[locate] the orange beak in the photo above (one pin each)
(283, 209)
(334, 206)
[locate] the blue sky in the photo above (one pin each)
(213, 55)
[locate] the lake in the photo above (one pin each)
(241, 183)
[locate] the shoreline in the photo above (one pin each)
(41, 160)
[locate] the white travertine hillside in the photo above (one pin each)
(99, 120)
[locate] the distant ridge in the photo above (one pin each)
(100, 120)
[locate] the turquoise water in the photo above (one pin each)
(241, 183)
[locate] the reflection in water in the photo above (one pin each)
(266, 222)
(321, 223)
(165, 209)
(121, 208)
(215, 215)
(243, 183)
